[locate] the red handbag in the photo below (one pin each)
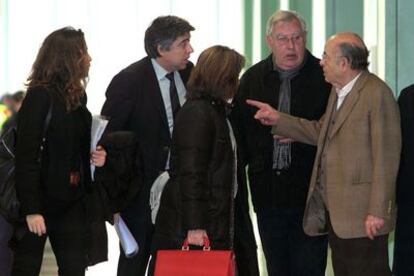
(187, 262)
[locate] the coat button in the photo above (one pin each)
(166, 148)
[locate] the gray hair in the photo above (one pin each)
(284, 16)
(356, 55)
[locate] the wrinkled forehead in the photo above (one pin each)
(287, 27)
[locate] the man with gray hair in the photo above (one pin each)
(289, 79)
(144, 98)
(352, 190)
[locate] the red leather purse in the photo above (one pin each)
(187, 262)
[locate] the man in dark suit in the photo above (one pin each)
(404, 228)
(292, 78)
(144, 98)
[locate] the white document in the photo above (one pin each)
(99, 124)
(128, 243)
(156, 192)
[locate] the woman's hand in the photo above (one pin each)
(98, 156)
(196, 237)
(36, 224)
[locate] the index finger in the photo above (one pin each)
(256, 103)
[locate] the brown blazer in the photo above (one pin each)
(362, 158)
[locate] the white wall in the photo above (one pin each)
(114, 33)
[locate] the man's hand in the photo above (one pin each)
(266, 114)
(372, 225)
(36, 224)
(196, 237)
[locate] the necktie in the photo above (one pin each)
(175, 102)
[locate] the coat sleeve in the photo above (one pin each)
(193, 140)
(303, 130)
(120, 102)
(31, 121)
(299, 129)
(386, 148)
(120, 178)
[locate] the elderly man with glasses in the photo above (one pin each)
(291, 80)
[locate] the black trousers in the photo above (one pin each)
(65, 226)
(288, 250)
(6, 256)
(360, 256)
(138, 219)
(404, 241)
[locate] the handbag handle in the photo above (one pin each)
(206, 244)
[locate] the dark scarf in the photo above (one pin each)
(282, 151)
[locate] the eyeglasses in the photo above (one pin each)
(284, 39)
(325, 56)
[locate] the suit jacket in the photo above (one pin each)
(134, 103)
(362, 158)
(405, 187)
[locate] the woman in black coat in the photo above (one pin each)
(53, 178)
(198, 200)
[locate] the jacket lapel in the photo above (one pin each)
(350, 100)
(154, 92)
(327, 117)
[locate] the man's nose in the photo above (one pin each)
(190, 48)
(291, 42)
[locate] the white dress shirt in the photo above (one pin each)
(344, 91)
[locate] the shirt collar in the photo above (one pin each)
(348, 87)
(160, 72)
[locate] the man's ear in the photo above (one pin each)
(160, 50)
(344, 62)
(269, 41)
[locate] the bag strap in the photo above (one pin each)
(47, 120)
(46, 126)
(206, 245)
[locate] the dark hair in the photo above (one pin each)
(216, 73)
(18, 96)
(356, 55)
(163, 31)
(60, 65)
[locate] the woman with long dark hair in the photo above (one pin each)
(53, 176)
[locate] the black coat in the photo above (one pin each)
(44, 187)
(67, 149)
(309, 95)
(199, 193)
(405, 180)
(403, 240)
(120, 179)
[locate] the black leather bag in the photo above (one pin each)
(9, 204)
